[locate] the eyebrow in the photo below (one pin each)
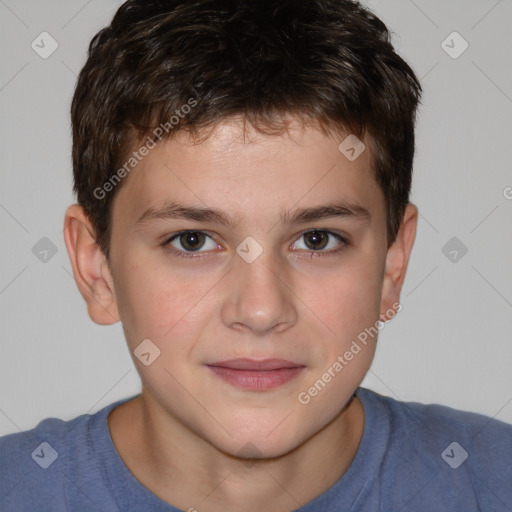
(173, 210)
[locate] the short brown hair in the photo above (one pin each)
(324, 61)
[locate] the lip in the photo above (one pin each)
(256, 375)
(254, 364)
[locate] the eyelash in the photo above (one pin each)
(182, 254)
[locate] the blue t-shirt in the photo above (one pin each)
(412, 457)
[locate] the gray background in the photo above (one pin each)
(451, 342)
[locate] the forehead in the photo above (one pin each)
(249, 174)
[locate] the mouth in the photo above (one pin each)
(256, 375)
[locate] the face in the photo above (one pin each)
(274, 281)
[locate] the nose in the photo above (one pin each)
(260, 299)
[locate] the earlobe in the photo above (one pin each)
(90, 268)
(397, 260)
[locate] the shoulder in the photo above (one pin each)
(451, 452)
(32, 464)
(479, 433)
(20, 448)
(442, 418)
(482, 442)
(40, 467)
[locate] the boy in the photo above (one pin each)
(243, 173)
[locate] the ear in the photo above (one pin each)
(397, 259)
(90, 267)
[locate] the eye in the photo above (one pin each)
(185, 243)
(317, 240)
(190, 242)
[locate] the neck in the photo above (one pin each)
(188, 472)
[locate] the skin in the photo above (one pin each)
(186, 436)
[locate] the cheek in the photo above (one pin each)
(349, 300)
(160, 302)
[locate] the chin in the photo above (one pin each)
(258, 449)
(262, 443)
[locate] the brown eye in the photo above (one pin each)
(316, 240)
(186, 242)
(192, 241)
